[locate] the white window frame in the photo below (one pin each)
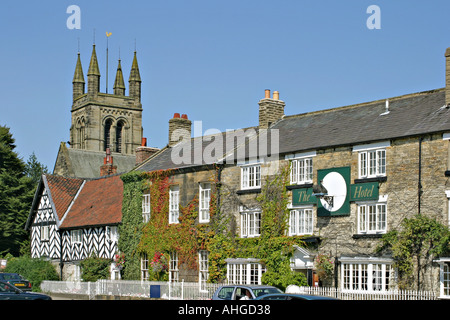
(447, 193)
(250, 223)
(251, 177)
(146, 209)
(444, 277)
(76, 236)
(144, 267)
(174, 204)
(204, 200)
(174, 272)
(372, 274)
(45, 233)
(112, 233)
(372, 160)
(372, 216)
(203, 271)
(244, 271)
(301, 221)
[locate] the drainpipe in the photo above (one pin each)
(419, 191)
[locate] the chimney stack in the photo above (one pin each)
(179, 129)
(447, 76)
(143, 152)
(270, 109)
(108, 168)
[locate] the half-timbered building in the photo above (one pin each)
(72, 219)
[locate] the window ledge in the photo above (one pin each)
(248, 191)
(375, 179)
(299, 186)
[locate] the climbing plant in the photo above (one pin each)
(414, 245)
(158, 238)
(130, 230)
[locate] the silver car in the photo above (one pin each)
(243, 292)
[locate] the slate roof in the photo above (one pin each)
(201, 151)
(409, 115)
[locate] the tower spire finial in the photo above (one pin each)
(119, 84)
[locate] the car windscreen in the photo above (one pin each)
(262, 291)
(9, 276)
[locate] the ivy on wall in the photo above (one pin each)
(130, 230)
(218, 237)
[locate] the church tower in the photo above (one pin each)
(102, 121)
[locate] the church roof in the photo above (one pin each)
(86, 164)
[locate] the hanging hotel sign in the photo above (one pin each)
(337, 183)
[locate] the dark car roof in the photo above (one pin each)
(296, 295)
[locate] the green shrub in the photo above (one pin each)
(34, 270)
(94, 268)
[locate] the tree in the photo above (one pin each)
(419, 240)
(34, 169)
(16, 195)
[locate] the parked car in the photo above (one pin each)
(16, 280)
(293, 296)
(243, 292)
(10, 292)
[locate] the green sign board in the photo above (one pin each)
(339, 192)
(364, 191)
(303, 196)
(337, 182)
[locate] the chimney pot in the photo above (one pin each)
(276, 95)
(144, 142)
(267, 94)
(176, 115)
(184, 116)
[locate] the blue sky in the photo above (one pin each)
(213, 59)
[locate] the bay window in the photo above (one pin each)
(366, 274)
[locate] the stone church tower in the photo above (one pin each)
(102, 120)
(101, 123)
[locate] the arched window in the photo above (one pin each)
(81, 134)
(107, 135)
(119, 136)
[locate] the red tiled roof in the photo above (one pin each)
(63, 191)
(98, 203)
